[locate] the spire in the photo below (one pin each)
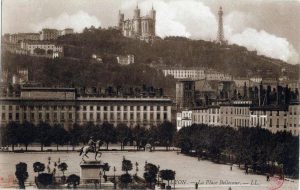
(137, 5)
(152, 7)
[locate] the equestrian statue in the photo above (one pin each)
(93, 147)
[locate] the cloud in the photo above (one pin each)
(195, 20)
(76, 21)
(266, 44)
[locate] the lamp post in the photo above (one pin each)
(136, 168)
(100, 174)
(115, 177)
(158, 175)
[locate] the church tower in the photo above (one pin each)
(121, 20)
(153, 17)
(220, 35)
(137, 21)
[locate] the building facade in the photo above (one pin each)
(185, 73)
(125, 59)
(242, 114)
(184, 119)
(141, 27)
(63, 106)
(49, 48)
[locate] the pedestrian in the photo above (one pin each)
(268, 177)
(196, 185)
(231, 167)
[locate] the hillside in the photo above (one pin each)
(175, 51)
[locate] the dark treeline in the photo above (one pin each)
(253, 148)
(45, 135)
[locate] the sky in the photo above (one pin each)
(271, 27)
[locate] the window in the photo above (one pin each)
(105, 108)
(145, 108)
(145, 116)
(91, 116)
(105, 116)
(10, 107)
(131, 116)
(47, 116)
(125, 116)
(158, 108)
(98, 108)
(98, 116)
(125, 108)
(32, 116)
(17, 116)
(40, 116)
(165, 116)
(84, 116)
(118, 108)
(17, 107)
(91, 108)
(112, 116)
(270, 122)
(70, 116)
(158, 116)
(138, 116)
(84, 108)
(3, 107)
(62, 116)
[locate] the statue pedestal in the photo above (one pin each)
(90, 171)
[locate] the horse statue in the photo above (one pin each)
(87, 149)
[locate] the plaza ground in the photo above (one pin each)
(188, 169)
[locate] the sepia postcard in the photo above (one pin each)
(150, 94)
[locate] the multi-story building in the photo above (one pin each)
(125, 59)
(48, 48)
(20, 77)
(214, 75)
(64, 106)
(278, 118)
(185, 73)
(243, 114)
(49, 34)
(209, 115)
(185, 94)
(235, 114)
(141, 27)
(66, 31)
(184, 119)
(17, 38)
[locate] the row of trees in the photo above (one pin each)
(256, 148)
(43, 133)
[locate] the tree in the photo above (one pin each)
(21, 174)
(108, 133)
(125, 179)
(45, 180)
(38, 167)
(166, 133)
(63, 167)
(59, 134)
(138, 133)
(151, 171)
(167, 175)
(123, 134)
(49, 51)
(27, 134)
(126, 165)
(105, 168)
(44, 134)
(39, 51)
(73, 180)
(12, 134)
(75, 135)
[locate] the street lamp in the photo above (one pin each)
(158, 174)
(136, 168)
(115, 177)
(100, 174)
